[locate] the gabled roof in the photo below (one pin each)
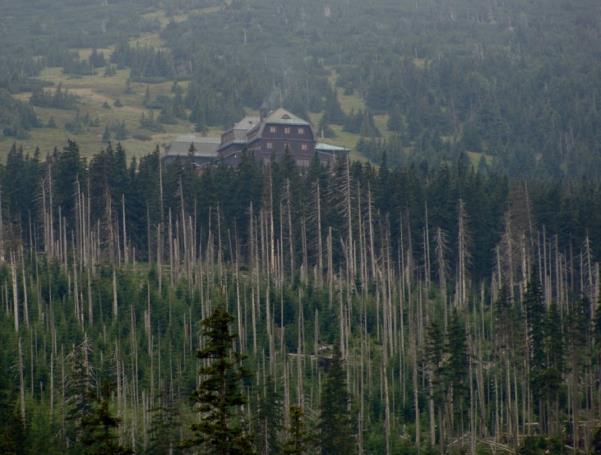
(283, 117)
(278, 117)
(246, 123)
(240, 129)
(251, 128)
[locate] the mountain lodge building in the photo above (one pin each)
(268, 139)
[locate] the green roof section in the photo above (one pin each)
(283, 117)
(203, 146)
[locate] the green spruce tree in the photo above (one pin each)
(99, 428)
(80, 393)
(268, 419)
(535, 323)
(456, 367)
(335, 424)
(219, 398)
(553, 373)
(299, 440)
(13, 436)
(164, 426)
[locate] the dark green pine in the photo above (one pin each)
(335, 425)
(219, 397)
(299, 440)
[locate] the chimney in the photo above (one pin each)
(263, 112)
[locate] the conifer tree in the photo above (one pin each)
(555, 340)
(552, 378)
(68, 170)
(191, 150)
(537, 445)
(106, 135)
(535, 320)
(578, 334)
(323, 128)
(299, 438)
(98, 429)
(456, 368)
(164, 427)
(579, 323)
(395, 119)
(219, 397)
(503, 316)
(434, 347)
(80, 391)
(268, 419)
(13, 437)
(335, 425)
(434, 354)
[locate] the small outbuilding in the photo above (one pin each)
(328, 152)
(199, 148)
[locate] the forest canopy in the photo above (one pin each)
(147, 308)
(512, 83)
(438, 291)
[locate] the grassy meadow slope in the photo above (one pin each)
(98, 95)
(112, 99)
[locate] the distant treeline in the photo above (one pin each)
(513, 82)
(406, 200)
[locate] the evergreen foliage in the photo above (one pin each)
(518, 106)
(80, 397)
(267, 425)
(299, 440)
(164, 427)
(219, 396)
(58, 99)
(98, 430)
(13, 434)
(456, 368)
(335, 426)
(16, 117)
(148, 251)
(535, 323)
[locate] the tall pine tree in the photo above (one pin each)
(457, 365)
(219, 398)
(268, 419)
(299, 439)
(535, 323)
(335, 424)
(99, 429)
(164, 427)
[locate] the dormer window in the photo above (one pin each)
(285, 117)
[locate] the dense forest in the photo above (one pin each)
(342, 309)
(513, 83)
(440, 292)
